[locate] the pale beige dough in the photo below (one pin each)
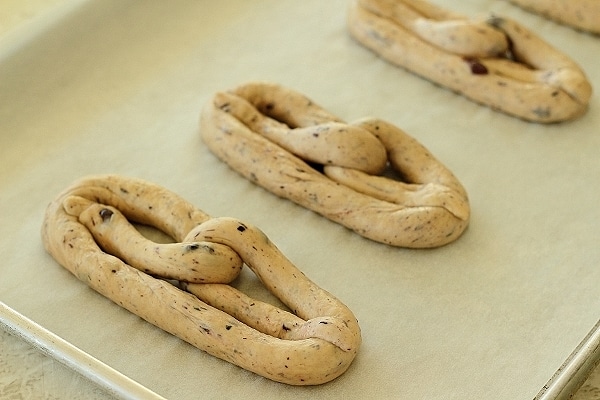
(579, 14)
(277, 137)
(316, 342)
(504, 66)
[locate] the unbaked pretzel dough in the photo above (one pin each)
(280, 140)
(313, 344)
(496, 62)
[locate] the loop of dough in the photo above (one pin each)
(531, 80)
(237, 128)
(315, 351)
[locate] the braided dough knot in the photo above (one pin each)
(496, 61)
(182, 287)
(368, 175)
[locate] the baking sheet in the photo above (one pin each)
(111, 381)
(116, 87)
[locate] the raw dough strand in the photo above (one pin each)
(495, 62)
(86, 229)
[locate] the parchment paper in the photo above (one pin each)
(116, 87)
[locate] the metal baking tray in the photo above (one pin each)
(116, 87)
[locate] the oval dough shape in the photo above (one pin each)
(237, 127)
(315, 343)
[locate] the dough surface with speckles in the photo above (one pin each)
(182, 287)
(495, 62)
(284, 142)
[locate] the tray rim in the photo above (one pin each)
(75, 359)
(561, 386)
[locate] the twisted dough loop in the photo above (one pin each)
(272, 135)
(496, 62)
(86, 230)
